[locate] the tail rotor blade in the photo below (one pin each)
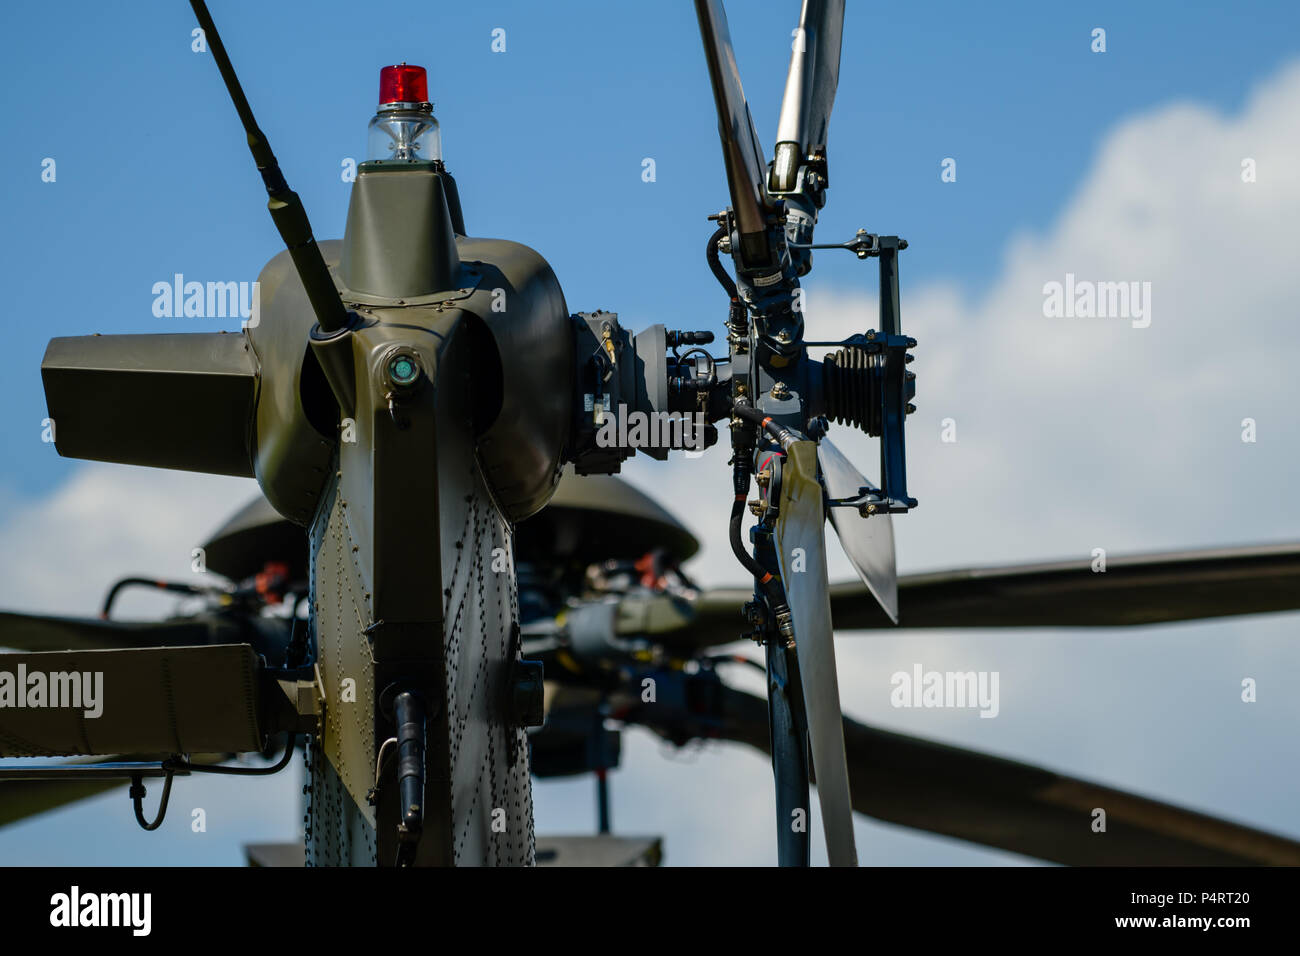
(868, 542)
(809, 88)
(814, 75)
(801, 546)
(741, 152)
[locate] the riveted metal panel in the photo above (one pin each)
(341, 612)
(491, 791)
(414, 586)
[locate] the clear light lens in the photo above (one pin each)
(404, 135)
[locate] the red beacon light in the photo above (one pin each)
(403, 129)
(403, 84)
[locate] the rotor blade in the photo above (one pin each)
(741, 152)
(44, 632)
(21, 799)
(814, 75)
(868, 542)
(1133, 591)
(1018, 807)
(800, 539)
(1142, 589)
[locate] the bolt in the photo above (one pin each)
(780, 390)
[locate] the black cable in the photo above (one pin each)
(117, 588)
(737, 318)
(769, 582)
(137, 794)
(184, 765)
(780, 434)
(737, 542)
(715, 264)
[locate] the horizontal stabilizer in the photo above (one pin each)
(180, 400)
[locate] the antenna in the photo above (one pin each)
(283, 203)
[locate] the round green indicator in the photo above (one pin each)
(403, 370)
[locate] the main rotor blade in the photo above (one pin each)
(741, 152)
(814, 75)
(22, 799)
(45, 632)
(1133, 591)
(1142, 589)
(1018, 807)
(868, 542)
(800, 540)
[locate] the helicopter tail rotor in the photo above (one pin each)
(800, 541)
(742, 154)
(869, 544)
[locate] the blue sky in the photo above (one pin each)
(547, 140)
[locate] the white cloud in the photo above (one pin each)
(61, 553)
